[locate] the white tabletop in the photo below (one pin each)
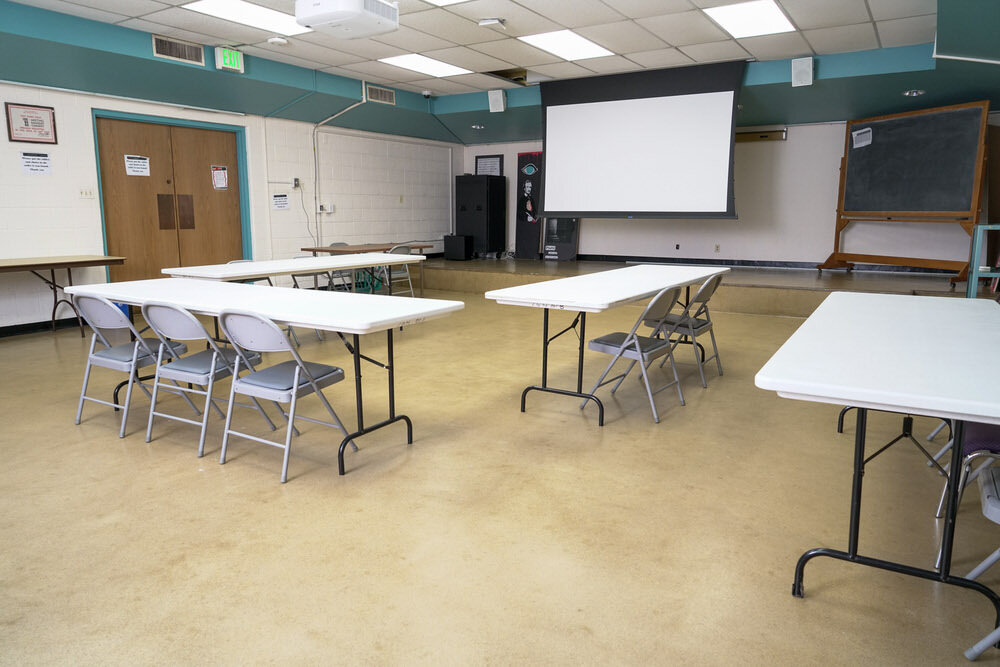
(284, 267)
(934, 356)
(594, 292)
(347, 312)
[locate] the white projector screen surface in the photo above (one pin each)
(648, 155)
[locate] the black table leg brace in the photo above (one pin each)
(851, 555)
(355, 350)
(55, 287)
(580, 318)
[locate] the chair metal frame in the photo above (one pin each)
(643, 349)
(100, 314)
(267, 336)
(683, 326)
(393, 275)
(170, 322)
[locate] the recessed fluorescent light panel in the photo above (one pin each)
(750, 19)
(567, 45)
(424, 65)
(249, 14)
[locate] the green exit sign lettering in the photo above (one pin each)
(229, 60)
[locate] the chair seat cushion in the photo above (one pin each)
(610, 343)
(280, 376)
(123, 352)
(198, 363)
(675, 319)
(981, 437)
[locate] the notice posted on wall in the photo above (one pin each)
(136, 165)
(280, 202)
(36, 163)
(220, 177)
(861, 138)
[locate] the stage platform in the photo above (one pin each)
(765, 291)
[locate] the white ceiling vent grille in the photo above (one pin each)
(383, 9)
(176, 49)
(381, 95)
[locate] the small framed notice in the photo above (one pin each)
(279, 202)
(29, 123)
(220, 177)
(136, 165)
(489, 165)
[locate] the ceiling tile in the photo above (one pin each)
(903, 32)
(574, 13)
(660, 58)
(169, 31)
(77, 10)
(451, 27)
(409, 6)
(519, 21)
(439, 86)
(896, 9)
(777, 47)
(482, 81)
(132, 8)
(257, 52)
(715, 51)
(562, 70)
(807, 14)
(842, 39)
(462, 56)
(412, 40)
(683, 28)
(356, 76)
(622, 37)
(642, 8)
(285, 6)
(303, 50)
(516, 51)
(233, 33)
(365, 48)
(383, 70)
(610, 64)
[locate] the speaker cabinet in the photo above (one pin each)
(481, 211)
(457, 247)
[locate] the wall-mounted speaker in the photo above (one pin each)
(802, 72)
(498, 100)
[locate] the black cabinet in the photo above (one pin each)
(481, 211)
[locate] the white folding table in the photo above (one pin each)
(594, 293)
(285, 267)
(340, 312)
(886, 352)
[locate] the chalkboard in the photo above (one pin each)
(922, 162)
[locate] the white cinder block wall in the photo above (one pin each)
(786, 200)
(382, 188)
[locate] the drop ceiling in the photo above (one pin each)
(640, 33)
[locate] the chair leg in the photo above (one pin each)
(983, 644)
(260, 409)
(699, 362)
(941, 452)
(295, 338)
(206, 412)
(288, 439)
(649, 392)
(622, 378)
(962, 483)
(677, 380)
(715, 350)
(128, 402)
(83, 392)
(152, 404)
(985, 565)
(333, 414)
(603, 375)
(229, 419)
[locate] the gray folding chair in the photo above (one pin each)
(282, 383)
(640, 349)
(102, 315)
(397, 275)
(314, 275)
(989, 493)
(200, 369)
(693, 321)
(341, 280)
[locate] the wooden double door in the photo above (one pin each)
(171, 196)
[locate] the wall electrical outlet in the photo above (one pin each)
(326, 208)
(677, 246)
(86, 193)
(717, 246)
(295, 183)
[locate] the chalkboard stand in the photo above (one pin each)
(966, 218)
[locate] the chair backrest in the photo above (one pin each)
(658, 308)
(173, 322)
(401, 249)
(102, 314)
(336, 244)
(707, 289)
(238, 261)
(250, 331)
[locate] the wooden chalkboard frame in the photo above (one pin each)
(967, 219)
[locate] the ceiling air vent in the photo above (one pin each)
(175, 49)
(381, 95)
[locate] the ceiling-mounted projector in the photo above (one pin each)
(348, 19)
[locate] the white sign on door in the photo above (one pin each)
(136, 165)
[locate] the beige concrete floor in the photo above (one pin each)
(497, 537)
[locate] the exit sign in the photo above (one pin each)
(230, 60)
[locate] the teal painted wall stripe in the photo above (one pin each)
(843, 65)
(241, 159)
